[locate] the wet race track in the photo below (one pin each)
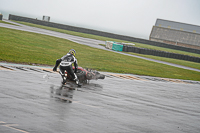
(33, 101)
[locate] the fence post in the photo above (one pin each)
(1, 16)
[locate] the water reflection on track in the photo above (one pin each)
(63, 93)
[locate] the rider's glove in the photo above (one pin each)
(55, 69)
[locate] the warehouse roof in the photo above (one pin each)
(178, 26)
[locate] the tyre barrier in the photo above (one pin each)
(128, 48)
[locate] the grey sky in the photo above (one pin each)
(127, 17)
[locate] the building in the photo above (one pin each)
(176, 33)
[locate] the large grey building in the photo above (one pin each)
(176, 33)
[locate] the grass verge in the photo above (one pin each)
(174, 61)
(109, 39)
(31, 48)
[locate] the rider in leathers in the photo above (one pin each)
(66, 65)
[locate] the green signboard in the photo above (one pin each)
(117, 47)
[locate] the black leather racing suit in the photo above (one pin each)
(66, 65)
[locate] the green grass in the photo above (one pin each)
(170, 60)
(166, 49)
(109, 39)
(31, 48)
(175, 61)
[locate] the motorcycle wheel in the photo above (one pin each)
(81, 76)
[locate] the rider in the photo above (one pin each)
(66, 65)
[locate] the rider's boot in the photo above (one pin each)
(77, 82)
(64, 80)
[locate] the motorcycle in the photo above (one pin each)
(84, 75)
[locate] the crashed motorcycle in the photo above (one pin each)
(85, 75)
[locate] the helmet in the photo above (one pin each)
(72, 51)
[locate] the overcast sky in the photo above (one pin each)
(127, 17)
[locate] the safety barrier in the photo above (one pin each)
(109, 44)
(117, 47)
(114, 46)
(128, 48)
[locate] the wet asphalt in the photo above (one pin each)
(32, 100)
